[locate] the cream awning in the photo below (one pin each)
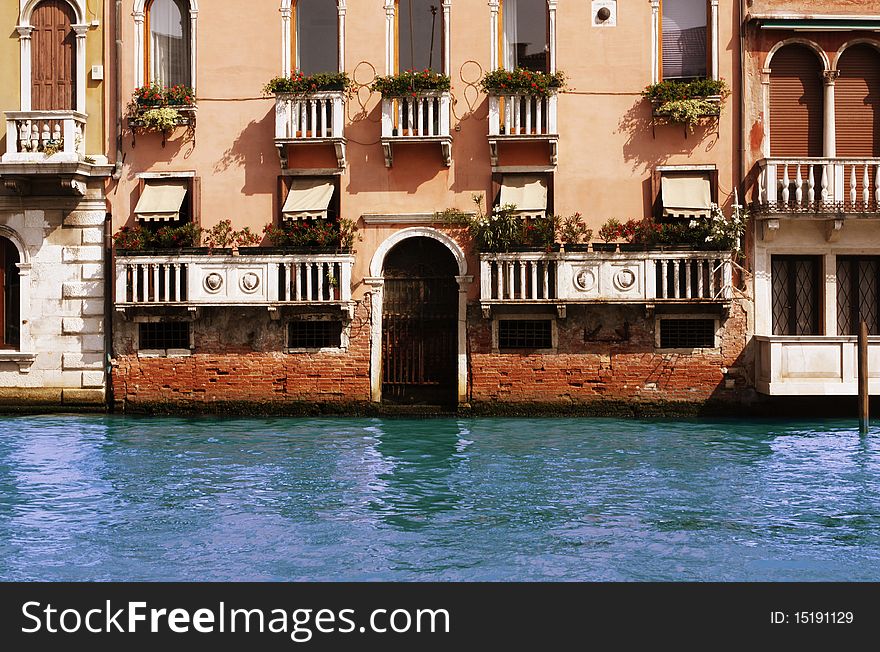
(308, 199)
(527, 192)
(161, 200)
(686, 195)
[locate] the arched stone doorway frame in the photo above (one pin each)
(376, 281)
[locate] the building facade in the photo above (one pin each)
(52, 204)
(810, 135)
(414, 313)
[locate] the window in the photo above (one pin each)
(308, 198)
(795, 295)
(858, 278)
(687, 333)
(167, 49)
(685, 191)
(525, 334)
(797, 103)
(315, 36)
(166, 199)
(10, 284)
(419, 35)
(525, 40)
(164, 335)
(684, 39)
(530, 193)
(314, 334)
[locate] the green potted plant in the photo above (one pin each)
(522, 82)
(574, 233)
(300, 84)
(687, 102)
(137, 240)
(503, 229)
(161, 109)
(306, 236)
(608, 232)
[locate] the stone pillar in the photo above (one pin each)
(495, 35)
(193, 49)
(829, 140)
(340, 9)
(389, 37)
(829, 281)
(715, 38)
(551, 11)
(81, 31)
(447, 4)
(286, 66)
(464, 283)
(139, 37)
(377, 285)
(24, 43)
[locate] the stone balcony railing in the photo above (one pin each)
(813, 365)
(522, 118)
(823, 186)
(647, 277)
(313, 118)
(225, 280)
(423, 118)
(45, 137)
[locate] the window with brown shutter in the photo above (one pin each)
(857, 102)
(796, 103)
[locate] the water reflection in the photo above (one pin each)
(420, 461)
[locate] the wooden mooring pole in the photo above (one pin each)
(863, 378)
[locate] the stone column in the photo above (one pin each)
(286, 67)
(24, 43)
(138, 48)
(551, 10)
(377, 285)
(81, 31)
(829, 140)
(495, 35)
(464, 283)
(340, 9)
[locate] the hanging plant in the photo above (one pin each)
(162, 119)
(687, 102)
(522, 82)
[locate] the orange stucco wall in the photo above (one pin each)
(607, 147)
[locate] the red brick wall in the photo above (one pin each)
(239, 359)
(615, 364)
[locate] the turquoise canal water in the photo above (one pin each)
(102, 498)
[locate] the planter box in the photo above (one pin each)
(605, 247)
(179, 251)
(265, 251)
(576, 246)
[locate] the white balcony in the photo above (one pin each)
(821, 187)
(224, 280)
(522, 118)
(649, 277)
(45, 137)
(419, 119)
(314, 118)
(814, 365)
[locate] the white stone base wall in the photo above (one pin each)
(62, 312)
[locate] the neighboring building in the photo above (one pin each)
(812, 143)
(413, 314)
(52, 204)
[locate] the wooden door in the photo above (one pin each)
(53, 57)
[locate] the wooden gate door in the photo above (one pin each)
(53, 57)
(420, 324)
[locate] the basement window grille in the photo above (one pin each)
(687, 333)
(525, 334)
(314, 334)
(164, 335)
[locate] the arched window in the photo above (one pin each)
(796, 103)
(10, 310)
(419, 43)
(525, 35)
(315, 36)
(167, 50)
(857, 102)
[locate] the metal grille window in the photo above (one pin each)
(313, 334)
(164, 335)
(858, 278)
(525, 334)
(687, 333)
(795, 295)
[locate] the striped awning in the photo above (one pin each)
(686, 195)
(308, 199)
(526, 191)
(161, 200)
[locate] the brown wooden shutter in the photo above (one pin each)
(857, 102)
(796, 103)
(53, 57)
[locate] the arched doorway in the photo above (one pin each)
(53, 57)
(420, 324)
(10, 292)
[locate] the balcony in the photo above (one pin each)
(223, 280)
(423, 118)
(314, 118)
(520, 119)
(814, 365)
(818, 187)
(648, 277)
(48, 143)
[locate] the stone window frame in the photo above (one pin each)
(25, 30)
(24, 355)
(495, 32)
(288, 14)
(391, 36)
(141, 42)
(656, 39)
(714, 317)
(542, 316)
(162, 353)
(344, 333)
